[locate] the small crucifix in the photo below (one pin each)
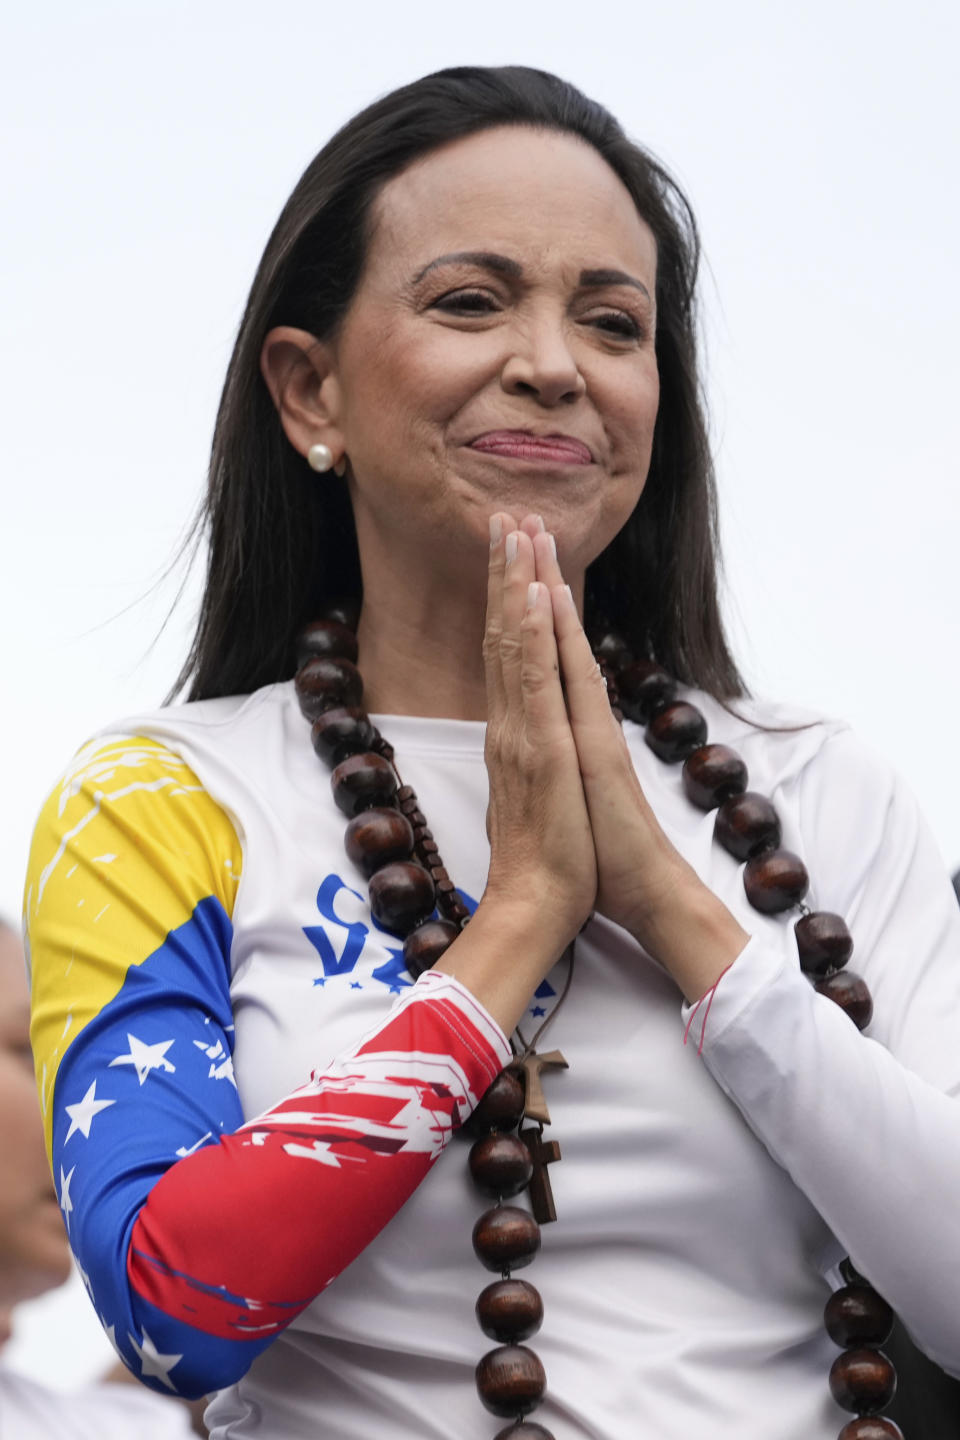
(530, 1065)
(542, 1153)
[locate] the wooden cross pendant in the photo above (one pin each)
(535, 1105)
(542, 1153)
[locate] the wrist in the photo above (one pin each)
(693, 935)
(503, 954)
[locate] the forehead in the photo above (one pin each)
(531, 194)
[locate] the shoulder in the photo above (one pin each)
(180, 759)
(797, 751)
(847, 808)
(233, 720)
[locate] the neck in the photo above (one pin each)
(418, 657)
(421, 629)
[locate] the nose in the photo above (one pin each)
(542, 366)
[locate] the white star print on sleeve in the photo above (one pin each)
(66, 1204)
(145, 1058)
(82, 1114)
(221, 1061)
(152, 1363)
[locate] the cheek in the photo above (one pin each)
(630, 418)
(420, 380)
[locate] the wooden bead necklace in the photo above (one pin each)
(412, 894)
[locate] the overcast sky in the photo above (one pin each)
(147, 150)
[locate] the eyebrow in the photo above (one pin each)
(612, 277)
(503, 265)
(487, 259)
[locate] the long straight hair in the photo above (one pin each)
(280, 546)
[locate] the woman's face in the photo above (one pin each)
(34, 1255)
(499, 352)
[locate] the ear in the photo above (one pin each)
(299, 373)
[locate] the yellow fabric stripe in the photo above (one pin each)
(125, 847)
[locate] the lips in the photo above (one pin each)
(521, 445)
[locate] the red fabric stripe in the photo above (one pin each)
(238, 1238)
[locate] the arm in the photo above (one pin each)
(868, 1128)
(201, 1236)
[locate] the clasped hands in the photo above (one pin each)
(571, 831)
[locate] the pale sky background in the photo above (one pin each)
(147, 150)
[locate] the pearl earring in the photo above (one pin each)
(320, 457)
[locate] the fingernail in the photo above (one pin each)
(533, 594)
(496, 530)
(539, 520)
(553, 545)
(513, 541)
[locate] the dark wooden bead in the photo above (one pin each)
(375, 838)
(401, 895)
(341, 732)
(510, 1380)
(848, 990)
(775, 880)
(712, 774)
(506, 1238)
(362, 781)
(863, 1381)
(823, 941)
(326, 684)
(326, 637)
(510, 1311)
(610, 648)
(530, 1430)
(868, 1427)
(500, 1107)
(857, 1315)
(424, 945)
(747, 824)
(644, 688)
(500, 1165)
(676, 731)
(346, 611)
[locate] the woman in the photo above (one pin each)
(466, 381)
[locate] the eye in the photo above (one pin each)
(619, 323)
(466, 302)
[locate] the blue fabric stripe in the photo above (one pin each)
(179, 994)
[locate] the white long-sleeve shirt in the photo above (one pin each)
(704, 1200)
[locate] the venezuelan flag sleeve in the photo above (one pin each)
(200, 1234)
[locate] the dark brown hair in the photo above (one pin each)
(280, 546)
